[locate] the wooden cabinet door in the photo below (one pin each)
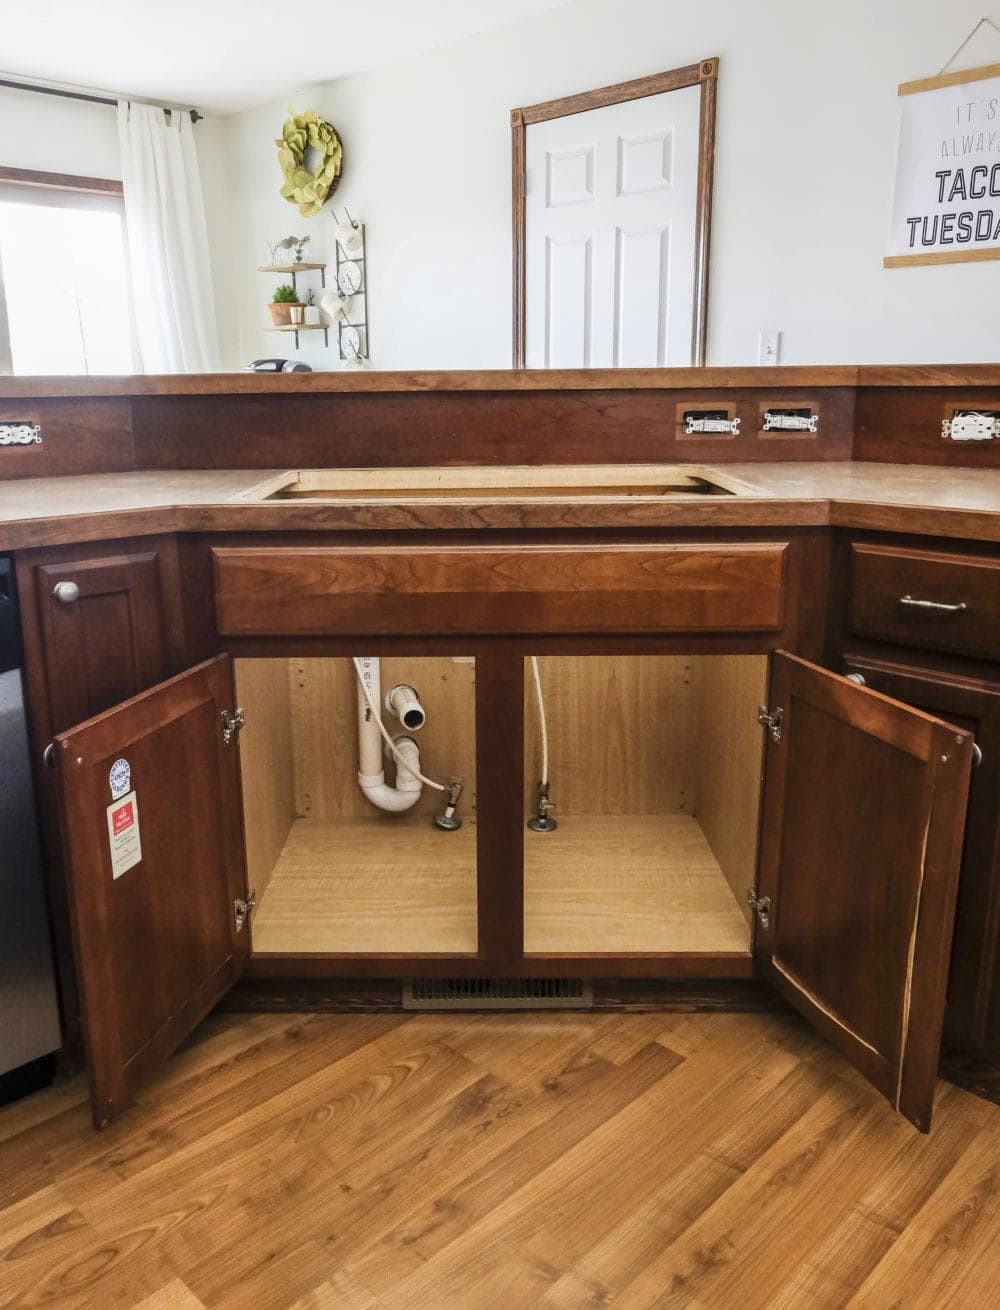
(105, 632)
(150, 808)
(862, 828)
(972, 1016)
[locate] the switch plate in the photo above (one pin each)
(768, 347)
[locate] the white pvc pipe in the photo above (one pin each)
(405, 794)
(404, 702)
(371, 776)
(403, 750)
(369, 738)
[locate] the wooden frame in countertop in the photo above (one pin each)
(705, 73)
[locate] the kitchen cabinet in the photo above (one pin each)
(922, 625)
(108, 624)
(972, 1017)
(851, 780)
(101, 623)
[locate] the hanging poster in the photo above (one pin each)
(947, 205)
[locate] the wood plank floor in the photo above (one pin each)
(702, 1160)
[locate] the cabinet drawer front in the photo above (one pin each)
(926, 598)
(399, 590)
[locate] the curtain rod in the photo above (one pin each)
(82, 95)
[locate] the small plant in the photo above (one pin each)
(297, 245)
(311, 298)
(285, 295)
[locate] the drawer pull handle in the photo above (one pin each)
(936, 605)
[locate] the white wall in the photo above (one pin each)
(807, 129)
(54, 135)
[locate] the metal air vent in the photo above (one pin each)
(497, 994)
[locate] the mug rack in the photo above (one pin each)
(352, 332)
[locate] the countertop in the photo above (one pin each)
(884, 497)
(527, 379)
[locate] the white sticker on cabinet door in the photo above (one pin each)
(119, 778)
(123, 834)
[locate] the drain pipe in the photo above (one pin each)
(404, 750)
(371, 774)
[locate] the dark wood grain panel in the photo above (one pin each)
(669, 588)
(157, 945)
(888, 585)
(121, 636)
(864, 811)
(972, 1019)
(499, 787)
(87, 435)
(395, 429)
(710, 966)
(901, 424)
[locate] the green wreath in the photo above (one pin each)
(308, 190)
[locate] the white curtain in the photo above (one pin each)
(167, 241)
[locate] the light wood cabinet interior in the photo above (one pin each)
(332, 873)
(655, 765)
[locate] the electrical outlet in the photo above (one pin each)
(768, 345)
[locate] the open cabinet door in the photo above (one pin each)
(863, 818)
(152, 824)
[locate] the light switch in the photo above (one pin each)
(768, 346)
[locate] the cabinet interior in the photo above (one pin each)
(334, 874)
(654, 771)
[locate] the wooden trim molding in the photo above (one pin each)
(704, 73)
(942, 257)
(958, 78)
(29, 177)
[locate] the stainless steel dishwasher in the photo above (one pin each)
(29, 1016)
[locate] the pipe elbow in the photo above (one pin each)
(391, 799)
(406, 792)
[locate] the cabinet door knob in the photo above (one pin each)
(859, 678)
(66, 592)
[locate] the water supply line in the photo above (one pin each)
(541, 822)
(404, 750)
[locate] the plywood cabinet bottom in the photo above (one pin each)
(618, 884)
(354, 885)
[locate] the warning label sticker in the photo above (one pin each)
(123, 834)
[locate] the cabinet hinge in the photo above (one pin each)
(244, 908)
(771, 720)
(761, 905)
(232, 724)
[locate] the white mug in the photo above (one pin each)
(335, 306)
(349, 237)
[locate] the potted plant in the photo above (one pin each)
(312, 310)
(284, 298)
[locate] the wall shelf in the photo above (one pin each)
(300, 327)
(290, 268)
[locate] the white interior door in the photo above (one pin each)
(610, 222)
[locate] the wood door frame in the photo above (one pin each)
(704, 73)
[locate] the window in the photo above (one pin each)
(64, 294)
